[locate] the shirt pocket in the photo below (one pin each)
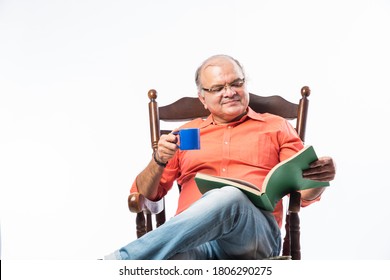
(258, 152)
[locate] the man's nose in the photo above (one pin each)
(228, 91)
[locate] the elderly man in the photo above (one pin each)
(236, 142)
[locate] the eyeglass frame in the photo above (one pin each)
(220, 88)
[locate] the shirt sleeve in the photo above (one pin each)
(305, 203)
(290, 143)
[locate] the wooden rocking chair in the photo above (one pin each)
(188, 108)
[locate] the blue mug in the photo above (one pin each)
(189, 138)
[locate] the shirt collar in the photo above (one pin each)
(250, 114)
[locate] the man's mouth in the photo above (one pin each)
(229, 101)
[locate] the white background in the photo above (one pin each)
(74, 77)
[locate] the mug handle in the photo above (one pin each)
(176, 133)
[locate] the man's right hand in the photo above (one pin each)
(166, 147)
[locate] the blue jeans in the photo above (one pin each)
(223, 224)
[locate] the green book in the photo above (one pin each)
(283, 178)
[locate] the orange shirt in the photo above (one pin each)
(246, 149)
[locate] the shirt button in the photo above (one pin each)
(223, 169)
(226, 142)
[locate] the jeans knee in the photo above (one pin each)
(232, 197)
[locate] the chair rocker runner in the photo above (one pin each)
(188, 108)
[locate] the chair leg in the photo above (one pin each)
(160, 218)
(295, 236)
(149, 226)
(140, 222)
(287, 242)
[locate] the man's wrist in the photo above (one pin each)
(160, 163)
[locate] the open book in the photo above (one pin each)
(283, 178)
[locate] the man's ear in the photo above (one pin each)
(201, 98)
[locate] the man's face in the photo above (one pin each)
(224, 92)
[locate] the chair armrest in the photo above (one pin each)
(137, 203)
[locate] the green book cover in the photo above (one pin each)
(285, 177)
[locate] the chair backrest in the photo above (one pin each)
(188, 108)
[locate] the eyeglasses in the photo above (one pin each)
(235, 85)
